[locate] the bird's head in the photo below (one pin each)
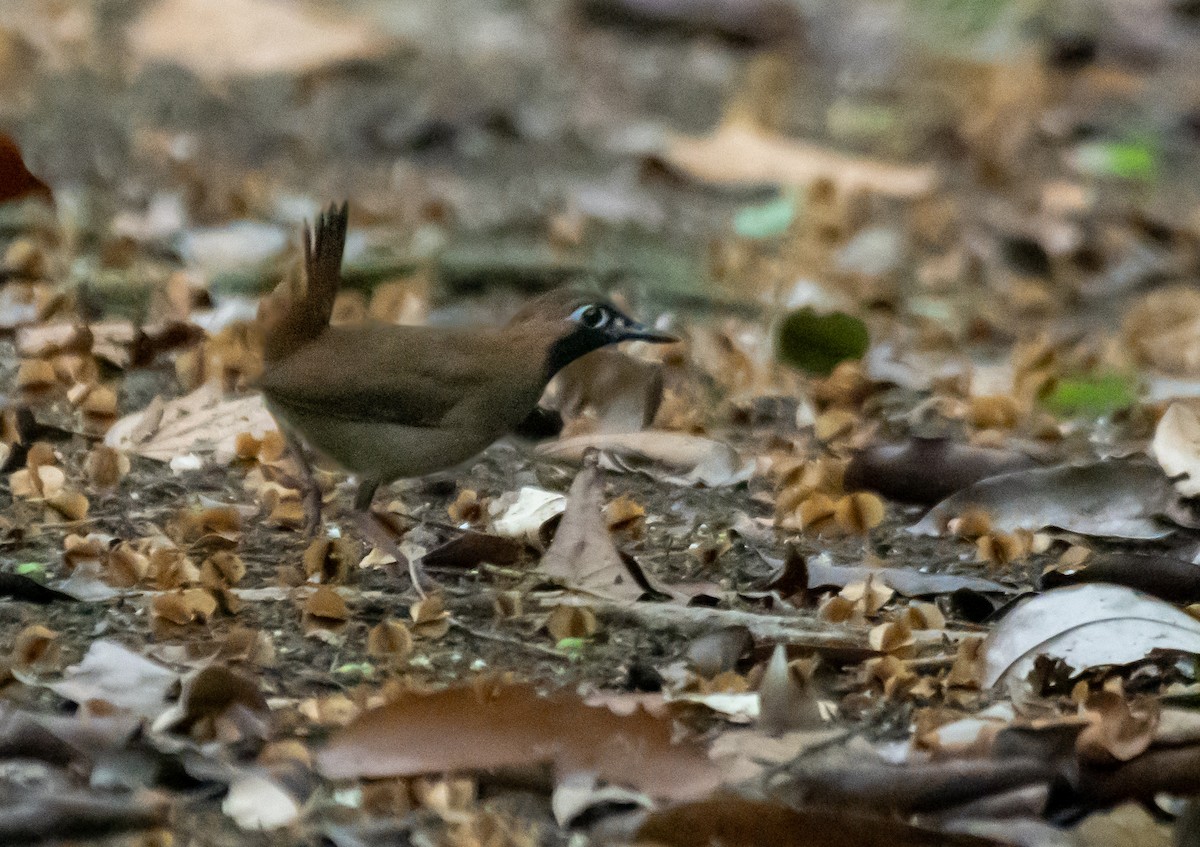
(576, 323)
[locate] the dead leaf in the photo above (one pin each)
(1116, 499)
(390, 639)
(582, 555)
(325, 610)
(673, 457)
(250, 38)
(469, 728)
(118, 677)
(1176, 447)
(733, 821)
(571, 622)
(739, 153)
(1119, 729)
(927, 470)
(1085, 626)
(786, 696)
(430, 617)
(200, 423)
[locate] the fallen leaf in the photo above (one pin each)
(607, 391)
(787, 701)
(119, 677)
(390, 639)
(470, 728)
(571, 622)
(817, 343)
(1176, 447)
(524, 516)
(742, 154)
(250, 38)
(1158, 575)
(202, 423)
(256, 802)
(582, 556)
(926, 470)
(733, 821)
(1114, 499)
(1085, 626)
(16, 181)
(673, 457)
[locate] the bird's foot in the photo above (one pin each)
(377, 534)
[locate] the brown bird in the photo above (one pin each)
(386, 402)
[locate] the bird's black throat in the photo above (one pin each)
(573, 345)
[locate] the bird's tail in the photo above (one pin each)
(297, 312)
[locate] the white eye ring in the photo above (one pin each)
(591, 316)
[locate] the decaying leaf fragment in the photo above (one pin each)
(1085, 626)
(1118, 499)
(201, 423)
(485, 726)
(582, 555)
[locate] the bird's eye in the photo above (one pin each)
(592, 317)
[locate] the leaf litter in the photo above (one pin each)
(727, 635)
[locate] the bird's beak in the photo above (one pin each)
(634, 331)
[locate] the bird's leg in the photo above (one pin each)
(378, 534)
(312, 490)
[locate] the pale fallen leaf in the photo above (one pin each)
(203, 422)
(742, 154)
(1116, 499)
(525, 515)
(257, 802)
(248, 37)
(673, 457)
(1085, 626)
(1176, 447)
(582, 556)
(114, 674)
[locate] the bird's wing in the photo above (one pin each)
(412, 376)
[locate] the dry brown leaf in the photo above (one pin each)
(487, 726)
(567, 621)
(325, 610)
(1001, 548)
(329, 560)
(36, 380)
(202, 423)
(72, 505)
(105, 467)
(467, 507)
(740, 153)
(1119, 728)
(222, 569)
(36, 647)
(818, 513)
(390, 639)
(894, 638)
(249, 38)
(859, 513)
(582, 556)
(430, 617)
(675, 457)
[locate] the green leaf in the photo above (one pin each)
(767, 220)
(34, 570)
(573, 646)
(362, 669)
(1092, 396)
(1133, 160)
(818, 342)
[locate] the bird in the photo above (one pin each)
(385, 402)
